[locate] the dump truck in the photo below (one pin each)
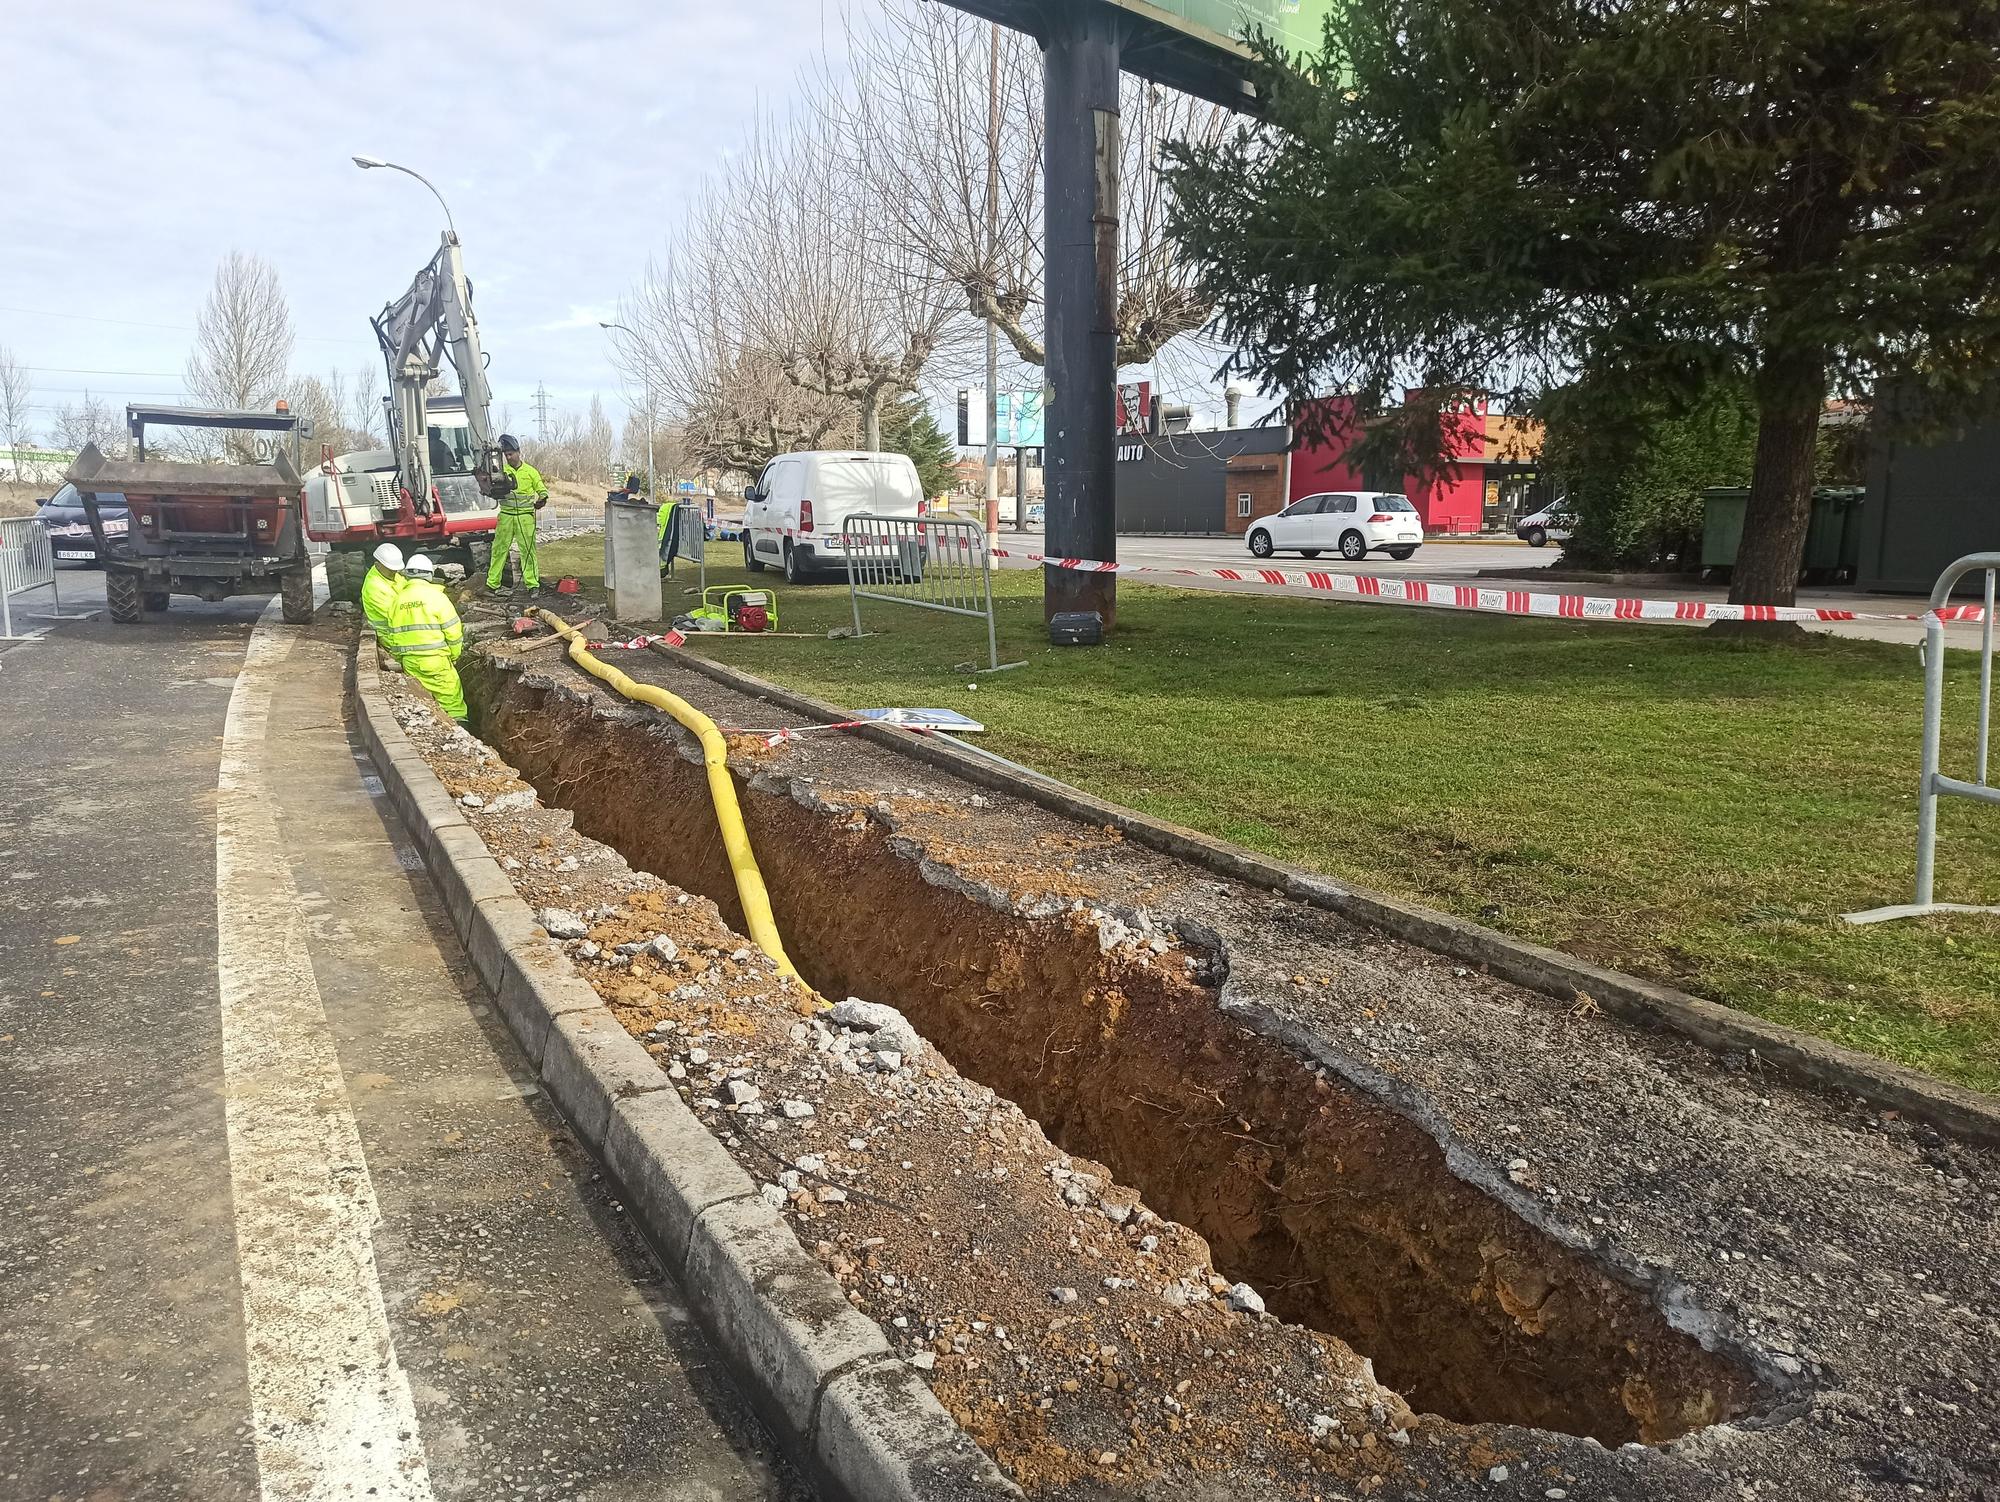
(206, 527)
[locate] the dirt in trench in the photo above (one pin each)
(1341, 1212)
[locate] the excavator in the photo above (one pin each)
(436, 488)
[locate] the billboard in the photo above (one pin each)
(1017, 419)
(1298, 24)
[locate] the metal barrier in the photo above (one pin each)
(933, 563)
(27, 561)
(1933, 784)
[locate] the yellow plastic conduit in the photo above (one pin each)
(750, 889)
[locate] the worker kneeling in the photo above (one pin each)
(379, 588)
(426, 635)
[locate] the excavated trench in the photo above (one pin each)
(1342, 1212)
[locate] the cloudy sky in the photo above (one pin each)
(150, 139)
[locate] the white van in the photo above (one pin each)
(792, 515)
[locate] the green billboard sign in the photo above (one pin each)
(1298, 24)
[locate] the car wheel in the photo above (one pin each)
(1402, 555)
(1260, 544)
(750, 559)
(795, 571)
(1353, 546)
(1309, 552)
(1536, 537)
(123, 597)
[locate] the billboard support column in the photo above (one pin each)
(1080, 210)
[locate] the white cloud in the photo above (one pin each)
(564, 139)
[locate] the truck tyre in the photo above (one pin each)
(124, 598)
(156, 600)
(296, 589)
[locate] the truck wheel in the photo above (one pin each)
(124, 597)
(296, 589)
(156, 600)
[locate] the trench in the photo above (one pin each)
(1341, 1211)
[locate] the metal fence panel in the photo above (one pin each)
(1932, 784)
(27, 561)
(932, 563)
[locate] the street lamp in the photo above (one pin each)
(646, 372)
(367, 162)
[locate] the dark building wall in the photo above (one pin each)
(1258, 482)
(1928, 504)
(1178, 482)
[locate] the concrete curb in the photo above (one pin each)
(1800, 1056)
(851, 1414)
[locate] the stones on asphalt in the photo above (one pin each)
(508, 803)
(1497, 1475)
(561, 923)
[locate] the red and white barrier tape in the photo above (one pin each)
(1500, 601)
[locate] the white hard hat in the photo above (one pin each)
(390, 557)
(420, 567)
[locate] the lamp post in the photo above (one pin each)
(366, 163)
(646, 374)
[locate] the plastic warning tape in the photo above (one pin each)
(1499, 601)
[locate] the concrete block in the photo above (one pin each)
(499, 926)
(781, 1317)
(671, 1169)
(883, 1437)
(589, 1064)
(466, 875)
(537, 987)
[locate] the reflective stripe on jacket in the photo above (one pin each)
(423, 622)
(528, 489)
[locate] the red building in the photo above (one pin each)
(1488, 455)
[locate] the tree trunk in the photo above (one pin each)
(871, 421)
(1791, 390)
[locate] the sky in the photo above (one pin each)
(165, 135)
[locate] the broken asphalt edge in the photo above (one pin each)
(1800, 1057)
(849, 1412)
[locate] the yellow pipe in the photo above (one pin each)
(750, 889)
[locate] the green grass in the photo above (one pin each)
(1688, 807)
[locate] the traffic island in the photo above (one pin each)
(1178, 1169)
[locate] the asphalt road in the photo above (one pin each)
(284, 1215)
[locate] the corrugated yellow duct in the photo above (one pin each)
(750, 889)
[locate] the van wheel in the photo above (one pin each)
(1353, 546)
(1260, 544)
(795, 572)
(750, 559)
(1536, 537)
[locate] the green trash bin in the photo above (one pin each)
(1722, 513)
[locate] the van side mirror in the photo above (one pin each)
(752, 495)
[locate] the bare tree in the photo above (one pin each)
(936, 120)
(16, 394)
(365, 404)
(88, 420)
(243, 337)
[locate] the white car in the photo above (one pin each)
(792, 515)
(1351, 523)
(1550, 524)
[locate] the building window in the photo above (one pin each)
(1243, 503)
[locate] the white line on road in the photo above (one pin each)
(332, 1407)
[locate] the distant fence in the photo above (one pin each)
(933, 563)
(26, 562)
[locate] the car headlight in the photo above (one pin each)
(115, 526)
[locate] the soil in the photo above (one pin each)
(1533, 1219)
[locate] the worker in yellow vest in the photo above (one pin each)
(378, 589)
(516, 525)
(426, 635)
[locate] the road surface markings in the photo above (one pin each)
(331, 1404)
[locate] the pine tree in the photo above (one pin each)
(909, 428)
(1797, 195)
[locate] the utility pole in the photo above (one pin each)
(541, 412)
(992, 266)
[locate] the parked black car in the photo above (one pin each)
(62, 517)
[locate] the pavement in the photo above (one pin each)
(286, 1215)
(1454, 562)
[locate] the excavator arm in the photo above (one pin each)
(431, 323)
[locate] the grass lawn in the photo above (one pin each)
(1683, 806)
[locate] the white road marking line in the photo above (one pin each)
(331, 1404)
